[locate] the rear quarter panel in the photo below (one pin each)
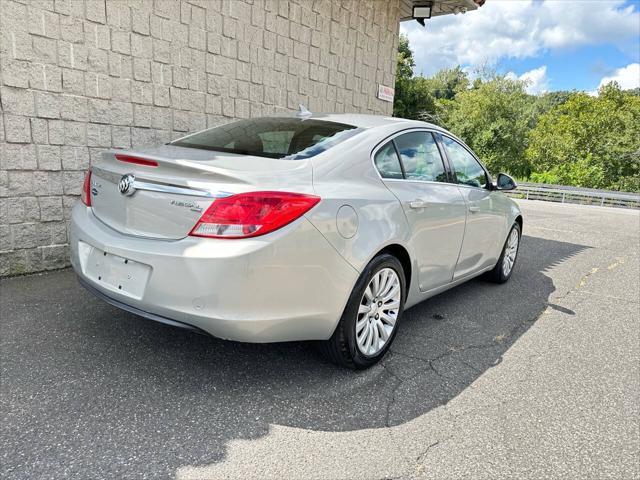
(348, 177)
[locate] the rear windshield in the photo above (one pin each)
(288, 138)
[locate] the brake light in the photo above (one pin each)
(136, 160)
(86, 189)
(251, 214)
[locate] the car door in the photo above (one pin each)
(484, 232)
(411, 167)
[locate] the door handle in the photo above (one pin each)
(417, 203)
(474, 208)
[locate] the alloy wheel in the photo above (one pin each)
(378, 311)
(510, 252)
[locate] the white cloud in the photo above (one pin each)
(627, 77)
(520, 29)
(537, 81)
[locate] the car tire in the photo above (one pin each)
(343, 348)
(498, 274)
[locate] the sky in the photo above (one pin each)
(553, 44)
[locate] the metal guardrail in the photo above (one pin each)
(562, 194)
(580, 189)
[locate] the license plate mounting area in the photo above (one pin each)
(116, 273)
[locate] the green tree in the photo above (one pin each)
(546, 101)
(443, 87)
(494, 118)
(589, 141)
(405, 62)
(411, 99)
(447, 83)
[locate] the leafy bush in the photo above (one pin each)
(544, 177)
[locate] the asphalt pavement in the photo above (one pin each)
(537, 378)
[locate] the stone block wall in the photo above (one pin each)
(81, 76)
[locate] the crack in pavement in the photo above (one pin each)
(392, 399)
(584, 278)
(619, 261)
(419, 468)
(429, 366)
(420, 458)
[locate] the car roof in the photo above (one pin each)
(361, 120)
(368, 121)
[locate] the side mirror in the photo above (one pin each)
(505, 182)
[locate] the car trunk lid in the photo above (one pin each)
(165, 194)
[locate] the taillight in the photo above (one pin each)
(252, 214)
(86, 189)
(136, 160)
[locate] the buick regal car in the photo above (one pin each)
(307, 227)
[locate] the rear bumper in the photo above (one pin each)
(137, 311)
(288, 285)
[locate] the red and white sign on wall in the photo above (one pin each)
(386, 93)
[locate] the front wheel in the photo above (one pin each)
(370, 320)
(504, 268)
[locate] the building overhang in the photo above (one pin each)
(439, 7)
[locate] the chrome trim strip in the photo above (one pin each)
(165, 188)
(151, 186)
(414, 180)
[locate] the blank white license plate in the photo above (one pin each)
(116, 273)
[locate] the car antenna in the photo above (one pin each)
(303, 113)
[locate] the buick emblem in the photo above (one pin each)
(125, 185)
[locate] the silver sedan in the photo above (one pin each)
(307, 227)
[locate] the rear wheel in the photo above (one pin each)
(504, 268)
(369, 322)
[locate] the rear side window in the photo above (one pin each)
(387, 162)
(277, 137)
(420, 157)
(467, 169)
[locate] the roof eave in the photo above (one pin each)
(440, 7)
